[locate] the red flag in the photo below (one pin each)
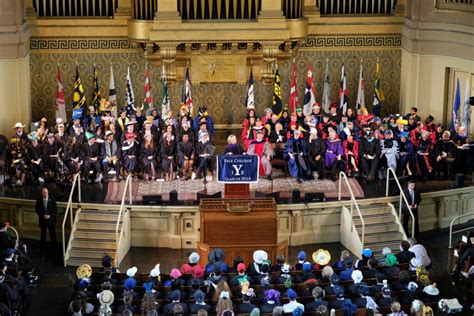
(60, 103)
(149, 102)
(293, 104)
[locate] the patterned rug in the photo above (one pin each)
(187, 190)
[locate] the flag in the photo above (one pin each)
(165, 104)
(361, 89)
(343, 93)
(187, 97)
(456, 105)
(466, 113)
(293, 104)
(250, 99)
(112, 93)
(78, 97)
(378, 93)
(96, 92)
(130, 94)
(325, 100)
(148, 99)
(60, 102)
(276, 99)
(309, 95)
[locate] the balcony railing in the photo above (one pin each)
(75, 8)
(455, 5)
(219, 9)
(356, 7)
(144, 9)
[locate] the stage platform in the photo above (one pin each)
(111, 193)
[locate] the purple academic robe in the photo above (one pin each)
(333, 149)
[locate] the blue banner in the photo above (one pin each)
(237, 169)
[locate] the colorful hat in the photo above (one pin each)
(285, 268)
(401, 121)
(321, 257)
(431, 289)
(307, 266)
(18, 125)
(299, 110)
(241, 267)
(301, 256)
(367, 252)
(33, 136)
(357, 276)
(84, 271)
(148, 287)
(291, 294)
(89, 135)
(156, 271)
(175, 273)
(130, 284)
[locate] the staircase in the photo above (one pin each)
(93, 236)
(382, 227)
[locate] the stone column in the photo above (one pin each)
(15, 33)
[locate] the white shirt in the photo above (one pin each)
(421, 256)
(291, 306)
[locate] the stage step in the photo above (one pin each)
(378, 246)
(378, 228)
(94, 236)
(384, 218)
(374, 209)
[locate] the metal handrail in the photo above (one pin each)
(353, 202)
(403, 198)
(15, 231)
(451, 227)
(76, 179)
(128, 187)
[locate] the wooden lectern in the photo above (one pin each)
(239, 227)
(236, 190)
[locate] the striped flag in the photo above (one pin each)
(78, 97)
(187, 96)
(326, 88)
(456, 105)
(165, 104)
(309, 94)
(343, 93)
(361, 89)
(60, 102)
(112, 93)
(378, 93)
(277, 107)
(130, 94)
(96, 92)
(148, 99)
(250, 99)
(466, 114)
(294, 103)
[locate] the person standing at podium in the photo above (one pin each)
(232, 147)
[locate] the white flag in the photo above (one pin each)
(130, 94)
(466, 113)
(112, 93)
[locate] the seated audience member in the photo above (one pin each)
(405, 255)
(306, 273)
(205, 155)
(216, 256)
(224, 304)
(199, 304)
(371, 271)
(366, 256)
(351, 153)
(259, 256)
(167, 157)
(318, 294)
(423, 159)
(420, 309)
(421, 258)
(246, 306)
(129, 287)
(386, 299)
(6, 240)
(403, 280)
(295, 153)
(149, 153)
(406, 162)
(293, 304)
(110, 158)
(301, 260)
(329, 289)
(192, 264)
(271, 299)
(366, 301)
(241, 275)
(346, 274)
(149, 305)
(357, 277)
(396, 310)
(175, 300)
(127, 304)
(90, 155)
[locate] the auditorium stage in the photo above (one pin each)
(188, 190)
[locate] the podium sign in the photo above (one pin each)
(237, 169)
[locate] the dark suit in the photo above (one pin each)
(47, 224)
(406, 213)
(168, 310)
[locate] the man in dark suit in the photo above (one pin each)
(46, 209)
(414, 199)
(175, 297)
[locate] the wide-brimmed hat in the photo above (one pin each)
(431, 290)
(259, 256)
(18, 125)
(106, 297)
(321, 257)
(84, 271)
(108, 133)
